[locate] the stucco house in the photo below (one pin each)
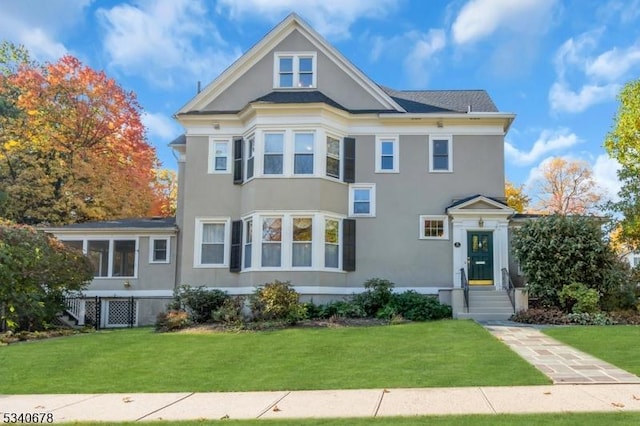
(296, 166)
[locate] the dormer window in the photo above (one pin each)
(294, 70)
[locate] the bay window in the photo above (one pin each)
(272, 241)
(302, 241)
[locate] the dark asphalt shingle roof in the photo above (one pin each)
(180, 140)
(426, 101)
(298, 97)
(148, 223)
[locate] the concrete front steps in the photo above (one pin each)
(487, 304)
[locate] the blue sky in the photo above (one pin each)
(557, 64)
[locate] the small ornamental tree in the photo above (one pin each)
(557, 251)
(36, 270)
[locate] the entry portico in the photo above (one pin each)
(480, 240)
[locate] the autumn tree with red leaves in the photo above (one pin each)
(72, 145)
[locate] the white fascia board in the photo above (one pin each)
(127, 293)
(111, 232)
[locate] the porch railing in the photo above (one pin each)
(76, 309)
(507, 285)
(465, 288)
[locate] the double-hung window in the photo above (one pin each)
(362, 198)
(158, 250)
(303, 153)
(331, 243)
(387, 155)
(219, 162)
(248, 242)
(211, 242)
(302, 242)
(251, 150)
(273, 153)
(272, 241)
(295, 70)
(440, 154)
(333, 157)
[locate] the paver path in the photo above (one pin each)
(562, 363)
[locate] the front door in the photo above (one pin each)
(480, 257)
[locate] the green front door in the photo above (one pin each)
(480, 257)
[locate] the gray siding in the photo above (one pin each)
(258, 81)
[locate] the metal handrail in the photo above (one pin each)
(508, 286)
(465, 288)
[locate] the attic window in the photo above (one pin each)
(294, 70)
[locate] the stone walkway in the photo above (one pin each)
(561, 363)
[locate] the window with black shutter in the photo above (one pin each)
(235, 259)
(237, 161)
(349, 244)
(349, 172)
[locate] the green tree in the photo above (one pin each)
(623, 144)
(36, 271)
(557, 251)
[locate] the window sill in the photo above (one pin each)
(211, 266)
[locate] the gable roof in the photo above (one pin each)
(291, 23)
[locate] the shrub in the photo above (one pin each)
(198, 302)
(277, 301)
(341, 309)
(230, 312)
(377, 295)
(577, 298)
(414, 306)
(541, 316)
(629, 317)
(36, 272)
(555, 251)
(586, 318)
(172, 320)
(619, 286)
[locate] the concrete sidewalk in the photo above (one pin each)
(343, 403)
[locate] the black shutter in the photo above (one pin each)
(235, 260)
(349, 244)
(237, 161)
(349, 172)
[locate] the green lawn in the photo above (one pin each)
(436, 354)
(617, 345)
(555, 419)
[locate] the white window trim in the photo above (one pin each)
(246, 148)
(445, 226)
(448, 138)
(286, 260)
(296, 71)
(372, 199)
(111, 240)
(325, 155)
(197, 243)
(396, 154)
(212, 155)
(152, 241)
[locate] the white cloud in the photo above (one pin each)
(562, 98)
(605, 173)
(40, 27)
(600, 74)
(421, 57)
(614, 63)
(479, 19)
(548, 141)
(160, 125)
(157, 39)
(574, 52)
(331, 18)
